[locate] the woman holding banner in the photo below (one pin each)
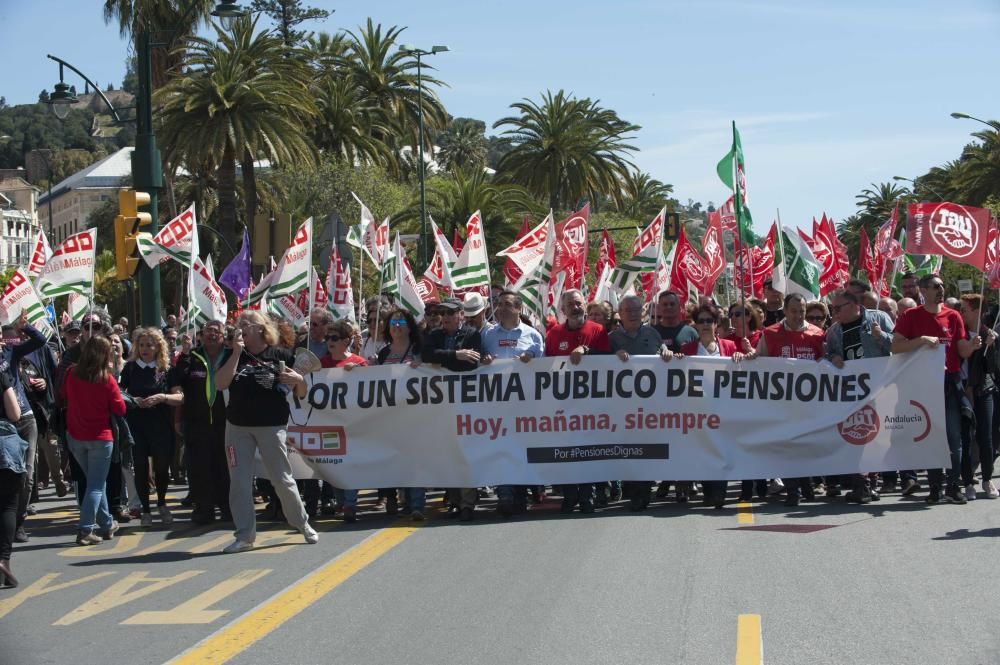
(706, 321)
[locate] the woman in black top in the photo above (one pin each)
(12, 471)
(259, 377)
(145, 379)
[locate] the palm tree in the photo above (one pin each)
(346, 124)
(566, 149)
(464, 144)
(241, 99)
(388, 79)
(875, 205)
(642, 195)
(980, 177)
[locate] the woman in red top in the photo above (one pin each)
(339, 336)
(706, 321)
(92, 397)
(747, 324)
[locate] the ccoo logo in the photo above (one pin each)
(954, 228)
(860, 427)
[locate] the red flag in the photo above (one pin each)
(866, 257)
(959, 232)
(688, 267)
(457, 243)
(606, 255)
(727, 215)
(843, 262)
(711, 247)
(427, 290)
(824, 248)
(510, 270)
(758, 263)
(571, 248)
(993, 256)
(885, 251)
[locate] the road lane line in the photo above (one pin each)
(134, 586)
(195, 610)
(744, 512)
(749, 647)
(245, 631)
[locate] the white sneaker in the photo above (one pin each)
(775, 486)
(310, 533)
(165, 515)
(237, 546)
(970, 492)
(146, 519)
(990, 490)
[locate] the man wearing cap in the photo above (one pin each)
(71, 334)
(432, 314)
(474, 307)
(455, 347)
(510, 338)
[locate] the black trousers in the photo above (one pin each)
(11, 485)
(208, 470)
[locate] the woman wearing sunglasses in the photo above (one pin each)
(747, 324)
(403, 333)
(706, 322)
(339, 337)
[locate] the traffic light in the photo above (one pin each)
(672, 226)
(127, 225)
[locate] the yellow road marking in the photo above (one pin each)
(261, 621)
(214, 544)
(121, 592)
(123, 543)
(40, 587)
(195, 611)
(744, 513)
(749, 649)
(182, 538)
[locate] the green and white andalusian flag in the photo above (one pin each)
(534, 285)
(732, 172)
(472, 267)
(645, 254)
(71, 268)
(796, 270)
(293, 273)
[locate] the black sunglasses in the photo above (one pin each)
(333, 338)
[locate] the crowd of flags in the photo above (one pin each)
(541, 263)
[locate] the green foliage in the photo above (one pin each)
(463, 144)
(287, 14)
(34, 127)
(643, 195)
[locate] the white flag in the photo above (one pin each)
(406, 284)
(439, 271)
(177, 240)
(472, 267)
(20, 296)
(534, 286)
(288, 308)
(77, 306)
(340, 295)
(207, 299)
(646, 253)
(40, 255)
(292, 273)
(71, 268)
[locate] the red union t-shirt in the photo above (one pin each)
(946, 325)
(806, 344)
(560, 340)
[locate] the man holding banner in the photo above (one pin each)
(928, 326)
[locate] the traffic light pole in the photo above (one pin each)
(147, 176)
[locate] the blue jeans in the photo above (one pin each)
(983, 407)
(416, 499)
(953, 428)
(94, 457)
(348, 498)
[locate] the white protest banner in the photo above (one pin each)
(71, 268)
(177, 240)
(19, 296)
(548, 421)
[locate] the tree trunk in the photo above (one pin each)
(249, 186)
(227, 195)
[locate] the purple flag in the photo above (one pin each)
(237, 274)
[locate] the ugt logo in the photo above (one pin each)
(860, 427)
(954, 228)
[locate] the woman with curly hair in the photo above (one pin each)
(144, 379)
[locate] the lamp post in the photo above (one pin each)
(992, 124)
(915, 185)
(147, 174)
(409, 49)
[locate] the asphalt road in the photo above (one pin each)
(892, 582)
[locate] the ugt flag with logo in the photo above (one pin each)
(959, 232)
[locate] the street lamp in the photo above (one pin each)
(62, 97)
(409, 49)
(915, 185)
(227, 13)
(993, 124)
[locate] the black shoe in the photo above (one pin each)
(586, 507)
(566, 508)
(328, 508)
(856, 496)
(954, 495)
(663, 490)
(635, 504)
(505, 508)
(934, 496)
(21, 536)
(791, 500)
(616, 493)
(452, 512)
(187, 501)
(745, 498)
(911, 486)
(467, 514)
(808, 494)
(392, 504)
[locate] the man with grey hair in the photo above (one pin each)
(888, 305)
(319, 319)
(577, 337)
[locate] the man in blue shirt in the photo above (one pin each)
(510, 338)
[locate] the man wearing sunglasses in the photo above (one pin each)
(455, 347)
(858, 333)
(928, 326)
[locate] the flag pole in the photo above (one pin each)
(781, 249)
(736, 212)
(489, 271)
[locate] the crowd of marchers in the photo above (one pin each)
(113, 415)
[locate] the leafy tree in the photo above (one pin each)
(566, 149)
(287, 14)
(875, 205)
(463, 144)
(240, 98)
(131, 81)
(43, 97)
(643, 195)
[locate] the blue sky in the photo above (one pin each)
(828, 96)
